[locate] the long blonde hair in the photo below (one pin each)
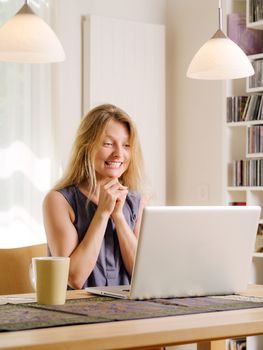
(81, 165)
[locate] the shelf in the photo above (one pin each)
(256, 56)
(245, 188)
(254, 89)
(254, 155)
(257, 255)
(255, 25)
(246, 123)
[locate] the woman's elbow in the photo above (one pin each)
(75, 282)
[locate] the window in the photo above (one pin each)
(25, 141)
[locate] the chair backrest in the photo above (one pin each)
(14, 268)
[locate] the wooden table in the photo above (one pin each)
(203, 329)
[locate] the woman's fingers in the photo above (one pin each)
(109, 182)
(112, 195)
(112, 183)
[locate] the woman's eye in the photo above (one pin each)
(107, 144)
(127, 146)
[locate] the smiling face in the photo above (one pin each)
(113, 155)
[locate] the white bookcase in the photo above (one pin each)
(237, 138)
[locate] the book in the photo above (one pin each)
(256, 81)
(247, 172)
(259, 239)
(253, 107)
(255, 139)
(237, 344)
(255, 10)
(237, 203)
(235, 106)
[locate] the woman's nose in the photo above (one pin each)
(117, 152)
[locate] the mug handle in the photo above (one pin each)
(32, 275)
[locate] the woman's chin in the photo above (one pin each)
(113, 173)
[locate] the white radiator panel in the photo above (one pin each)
(124, 64)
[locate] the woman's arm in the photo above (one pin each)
(63, 239)
(127, 238)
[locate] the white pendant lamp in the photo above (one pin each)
(220, 58)
(26, 38)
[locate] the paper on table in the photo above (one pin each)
(16, 299)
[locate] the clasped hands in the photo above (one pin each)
(112, 197)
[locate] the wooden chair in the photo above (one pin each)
(14, 268)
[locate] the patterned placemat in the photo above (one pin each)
(14, 317)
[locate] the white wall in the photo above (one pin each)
(194, 108)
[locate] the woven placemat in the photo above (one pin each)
(14, 317)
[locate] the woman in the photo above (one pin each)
(93, 214)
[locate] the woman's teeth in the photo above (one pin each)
(114, 164)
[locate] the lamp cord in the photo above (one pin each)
(220, 15)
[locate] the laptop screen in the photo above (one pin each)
(194, 250)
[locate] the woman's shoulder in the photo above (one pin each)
(53, 201)
(133, 196)
(59, 195)
(67, 191)
(137, 198)
(133, 200)
(52, 195)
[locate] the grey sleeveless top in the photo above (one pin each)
(109, 268)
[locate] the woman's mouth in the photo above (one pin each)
(114, 165)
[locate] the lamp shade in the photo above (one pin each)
(220, 58)
(26, 38)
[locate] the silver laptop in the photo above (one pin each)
(191, 251)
